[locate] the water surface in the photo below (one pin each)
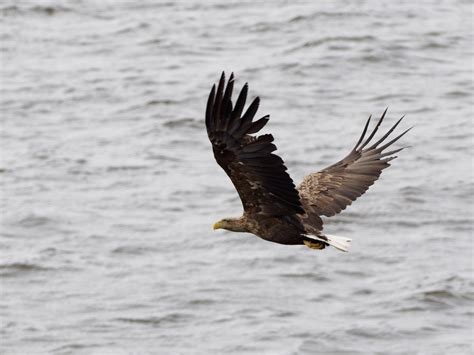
(109, 187)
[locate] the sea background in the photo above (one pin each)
(109, 188)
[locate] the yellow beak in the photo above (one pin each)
(217, 225)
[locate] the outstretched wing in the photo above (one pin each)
(331, 190)
(259, 176)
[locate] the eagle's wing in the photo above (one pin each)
(331, 190)
(259, 176)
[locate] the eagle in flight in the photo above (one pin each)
(274, 208)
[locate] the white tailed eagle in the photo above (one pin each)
(274, 209)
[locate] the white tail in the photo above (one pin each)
(341, 243)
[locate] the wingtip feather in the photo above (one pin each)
(364, 131)
(379, 122)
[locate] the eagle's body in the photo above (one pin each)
(278, 229)
(274, 209)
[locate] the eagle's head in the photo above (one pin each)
(231, 224)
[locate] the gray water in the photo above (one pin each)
(110, 189)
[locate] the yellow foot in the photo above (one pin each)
(314, 244)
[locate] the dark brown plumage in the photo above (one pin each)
(273, 208)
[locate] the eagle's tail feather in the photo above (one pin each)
(341, 243)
